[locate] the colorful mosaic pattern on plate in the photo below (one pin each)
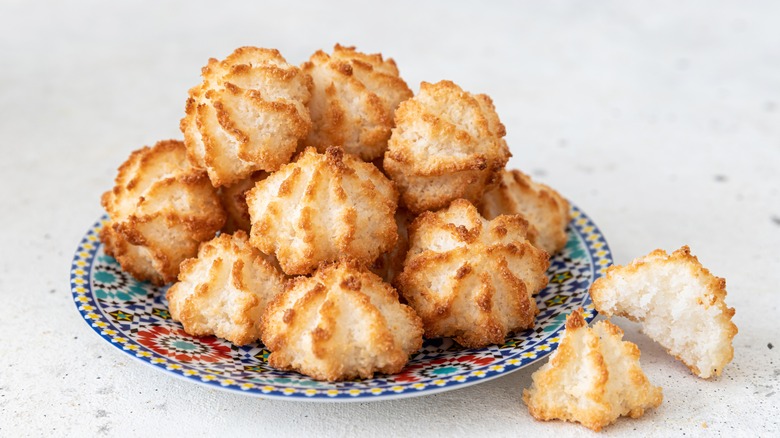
(133, 316)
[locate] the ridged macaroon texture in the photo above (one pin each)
(321, 208)
(353, 101)
(472, 279)
(160, 209)
(543, 207)
(447, 144)
(390, 264)
(341, 323)
(233, 198)
(225, 290)
(594, 377)
(248, 114)
(679, 304)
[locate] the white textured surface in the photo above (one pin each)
(661, 120)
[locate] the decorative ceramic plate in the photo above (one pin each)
(133, 316)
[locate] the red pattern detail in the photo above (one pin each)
(478, 361)
(152, 337)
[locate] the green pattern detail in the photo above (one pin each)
(574, 247)
(184, 345)
(105, 277)
(108, 260)
(557, 321)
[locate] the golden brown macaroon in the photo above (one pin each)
(472, 279)
(353, 101)
(225, 290)
(341, 323)
(160, 209)
(248, 114)
(593, 378)
(391, 263)
(446, 144)
(233, 198)
(679, 303)
(321, 208)
(543, 207)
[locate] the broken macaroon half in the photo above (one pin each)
(679, 304)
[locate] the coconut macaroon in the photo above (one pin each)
(321, 208)
(447, 144)
(248, 114)
(353, 101)
(593, 378)
(472, 279)
(160, 209)
(391, 263)
(233, 198)
(679, 303)
(225, 290)
(543, 207)
(341, 323)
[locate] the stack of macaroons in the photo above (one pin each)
(327, 172)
